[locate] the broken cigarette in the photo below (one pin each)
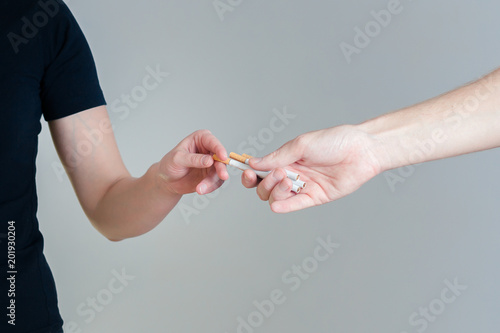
(241, 162)
(244, 158)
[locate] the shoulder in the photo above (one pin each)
(44, 21)
(39, 13)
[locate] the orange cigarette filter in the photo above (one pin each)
(247, 156)
(237, 157)
(219, 160)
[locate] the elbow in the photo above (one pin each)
(116, 232)
(114, 239)
(115, 235)
(110, 235)
(119, 235)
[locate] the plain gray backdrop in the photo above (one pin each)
(207, 263)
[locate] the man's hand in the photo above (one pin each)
(189, 167)
(334, 162)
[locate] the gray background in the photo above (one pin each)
(397, 246)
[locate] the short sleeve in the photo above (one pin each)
(69, 83)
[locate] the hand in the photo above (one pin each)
(334, 162)
(189, 167)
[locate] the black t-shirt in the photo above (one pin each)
(46, 68)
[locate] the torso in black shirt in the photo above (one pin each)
(46, 68)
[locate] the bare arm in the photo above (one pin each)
(121, 206)
(337, 161)
(462, 121)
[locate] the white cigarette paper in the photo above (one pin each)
(243, 167)
(300, 183)
(292, 175)
(262, 174)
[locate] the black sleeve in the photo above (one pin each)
(69, 84)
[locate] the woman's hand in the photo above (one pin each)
(189, 167)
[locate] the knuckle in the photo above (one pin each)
(246, 181)
(301, 142)
(268, 185)
(177, 157)
(204, 132)
(280, 173)
(261, 194)
(195, 160)
(275, 154)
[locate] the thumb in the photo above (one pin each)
(191, 160)
(287, 154)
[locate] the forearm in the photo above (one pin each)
(118, 205)
(133, 206)
(459, 122)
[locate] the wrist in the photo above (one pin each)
(161, 183)
(386, 141)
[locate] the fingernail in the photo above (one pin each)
(205, 160)
(278, 175)
(203, 189)
(283, 186)
(256, 160)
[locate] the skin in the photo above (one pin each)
(117, 204)
(337, 161)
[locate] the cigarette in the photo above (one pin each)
(219, 160)
(300, 183)
(296, 187)
(243, 167)
(239, 158)
(244, 158)
(292, 175)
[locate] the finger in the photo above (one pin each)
(294, 203)
(249, 179)
(267, 184)
(210, 183)
(221, 170)
(287, 154)
(209, 143)
(282, 191)
(191, 160)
